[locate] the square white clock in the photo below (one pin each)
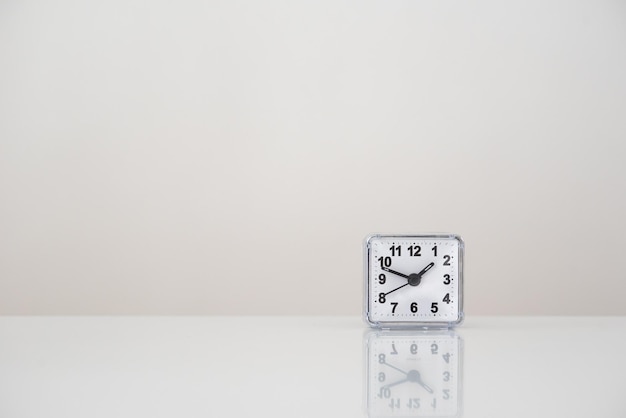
(413, 281)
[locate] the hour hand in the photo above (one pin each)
(415, 376)
(425, 269)
(388, 270)
(425, 386)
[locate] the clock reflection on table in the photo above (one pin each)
(414, 373)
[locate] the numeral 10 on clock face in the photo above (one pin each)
(414, 279)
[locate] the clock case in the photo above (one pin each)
(411, 324)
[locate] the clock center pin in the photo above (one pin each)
(415, 279)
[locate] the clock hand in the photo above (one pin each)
(395, 368)
(395, 272)
(425, 269)
(428, 389)
(416, 278)
(396, 383)
(399, 287)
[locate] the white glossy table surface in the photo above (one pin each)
(306, 367)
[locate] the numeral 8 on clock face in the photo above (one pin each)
(414, 281)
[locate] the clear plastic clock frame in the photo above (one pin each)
(413, 281)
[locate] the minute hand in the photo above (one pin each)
(396, 272)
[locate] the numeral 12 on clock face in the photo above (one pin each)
(414, 280)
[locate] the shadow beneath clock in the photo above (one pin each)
(413, 373)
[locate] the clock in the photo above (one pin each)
(414, 373)
(413, 281)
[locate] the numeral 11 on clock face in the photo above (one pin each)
(414, 280)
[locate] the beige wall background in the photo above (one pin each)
(214, 157)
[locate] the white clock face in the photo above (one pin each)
(414, 375)
(414, 280)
